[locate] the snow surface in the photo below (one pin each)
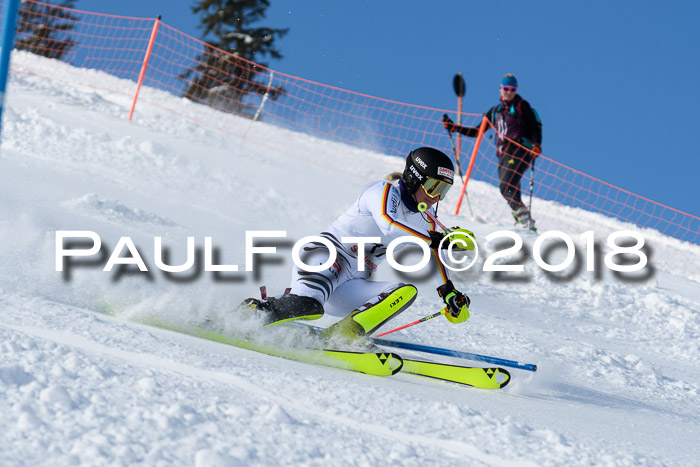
(83, 383)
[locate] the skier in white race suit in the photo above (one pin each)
(384, 211)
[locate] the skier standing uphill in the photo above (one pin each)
(385, 210)
(514, 120)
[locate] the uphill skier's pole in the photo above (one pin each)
(445, 117)
(434, 315)
(460, 88)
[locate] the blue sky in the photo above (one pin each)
(615, 82)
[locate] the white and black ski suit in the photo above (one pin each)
(382, 210)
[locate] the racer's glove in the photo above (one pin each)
(536, 150)
(449, 124)
(457, 310)
(463, 239)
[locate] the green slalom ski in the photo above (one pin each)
(484, 378)
(372, 363)
(376, 362)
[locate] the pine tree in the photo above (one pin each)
(42, 29)
(220, 78)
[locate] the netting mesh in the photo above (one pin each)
(182, 65)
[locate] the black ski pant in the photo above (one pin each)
(512, 164)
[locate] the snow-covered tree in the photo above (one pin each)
(221, 78)
(42, 28)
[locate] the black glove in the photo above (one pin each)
(457, 309)
(463, 239)
(449, 124)
(435, 239)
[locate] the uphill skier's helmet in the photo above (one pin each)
(428, 168)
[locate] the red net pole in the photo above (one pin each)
(145, 64)
(482, 129)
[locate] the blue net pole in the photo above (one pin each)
(8, 40)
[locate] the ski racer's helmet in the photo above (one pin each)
(429, 168)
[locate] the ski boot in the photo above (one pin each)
(373, 314)
(285, 308)
(523, 219)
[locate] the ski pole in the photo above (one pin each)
(445, 117)
(434, 219)
(447, 231)
(435, 315)
(460, 89)
(532, 184)
(454, 353)
(440, 351)
(454, 148)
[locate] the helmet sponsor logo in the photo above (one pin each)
(416, 173)
(443, 172)
(420, 162)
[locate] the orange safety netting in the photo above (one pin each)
(151, 53)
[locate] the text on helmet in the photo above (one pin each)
(416, 173)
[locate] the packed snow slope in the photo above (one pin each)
(83, 383)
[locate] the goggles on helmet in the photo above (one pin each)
(434, 187)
